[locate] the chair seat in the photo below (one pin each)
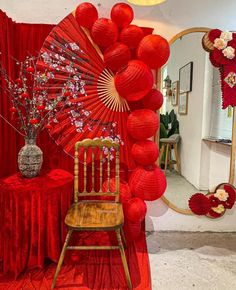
(95, 216)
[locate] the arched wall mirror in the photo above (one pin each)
(192, 112)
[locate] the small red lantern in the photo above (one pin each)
(13, 110)
(199, 204)
(153, 100)
(134, 81)
(48, 126)
(116, 56)
(24, 95)
(131, 35)
(86, 14)
(19, 81)
(122, 14)
(148, 183)
(135, 209)
(154, 50)
(67, 94)
(142, 124)
(30, 69)
(40, 107)
(145, 152)
(34, 121)
(104, 32)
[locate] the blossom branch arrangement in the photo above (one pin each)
(213, 204)
(33, 106)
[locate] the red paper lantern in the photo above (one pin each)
(30, 69)
(142, 124)
(199, 204)
(125, 193)
(135, 209)
(34, 121)
(122, 14)
(154, 50)
(131, 35)
(116, 56)
(86, 14)
(134, 81)
(147, 183)
(104, 32)
(153, 100)
(145, 152)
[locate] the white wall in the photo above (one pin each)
(168, 19)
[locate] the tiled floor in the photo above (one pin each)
(199, 261)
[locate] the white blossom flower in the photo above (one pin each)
(221, 194)
(226, 35)
(74, 46)
(220, 43)
(229, 52)
(219, 209)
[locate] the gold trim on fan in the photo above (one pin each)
(108, 93)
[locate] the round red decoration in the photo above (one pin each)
(153, 100)
(154, 50)
(135, 209)
(30, 69)
(13, 110)
(19, 81)
(86, 14)
(24, 95)
(125, 193)
(122, 14)
(148, 184)
(142, 124)
(134, 81)
(145, 152)
(131, 35)
(213, 34)
(199, 204)
(67, 94)
(116, 56)
(34, 121)
(48, 126)
(104, 32)
(214, 201)
(40, 107)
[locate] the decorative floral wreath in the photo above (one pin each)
(213, 204)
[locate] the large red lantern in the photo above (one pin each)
(135, 209)
(122, 14)
(104, 32)
(154, 50)
(148, 183)
(131, 35)
(145, 152)
(142, 124)
(134, 81)
(86, 14)
(116, 56)
(153, 100)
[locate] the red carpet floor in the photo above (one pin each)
(90, 270)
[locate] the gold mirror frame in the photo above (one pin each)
(233, 146)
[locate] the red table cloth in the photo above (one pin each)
(32, 215)
(32, 218)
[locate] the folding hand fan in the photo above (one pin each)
(95, 109)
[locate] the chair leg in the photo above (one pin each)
(63, 252)
(177, 158)
(123, 237)
(161, 153)
(166, 159)
(125, 265)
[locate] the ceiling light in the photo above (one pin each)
(146, 2)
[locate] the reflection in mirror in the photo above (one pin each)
(195, 133)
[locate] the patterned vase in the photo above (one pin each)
(30, 158)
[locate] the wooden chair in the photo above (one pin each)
(94, 215)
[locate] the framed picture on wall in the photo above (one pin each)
(183, 104)
(175, 93)
(186, 78)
